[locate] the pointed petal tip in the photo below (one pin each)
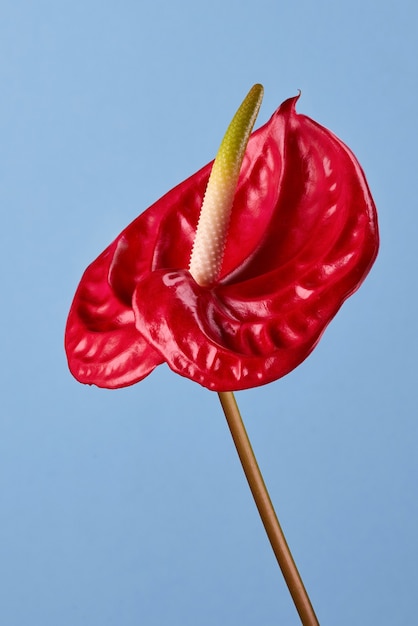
(289, 105)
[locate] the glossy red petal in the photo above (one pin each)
(204, 340)
(102, 343)
(302, 238)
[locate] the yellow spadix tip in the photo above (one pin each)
(212, 228)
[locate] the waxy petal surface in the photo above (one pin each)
(302, 238)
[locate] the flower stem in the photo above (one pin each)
(265, 508)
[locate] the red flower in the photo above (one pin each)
(303, 236)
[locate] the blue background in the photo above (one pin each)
(129, 507)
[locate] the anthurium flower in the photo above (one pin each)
(301, 238)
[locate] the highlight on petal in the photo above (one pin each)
(302, 237)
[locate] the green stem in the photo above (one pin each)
(265, 508)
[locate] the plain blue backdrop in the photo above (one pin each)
(130, 507)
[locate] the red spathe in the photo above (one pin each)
(302, 238)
